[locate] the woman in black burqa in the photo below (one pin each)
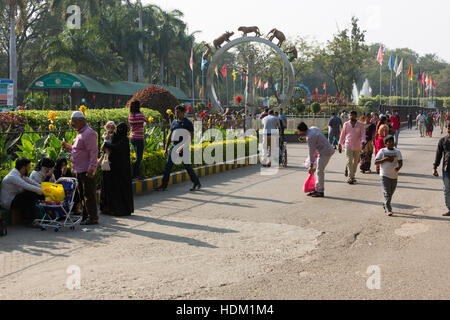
(117, 192)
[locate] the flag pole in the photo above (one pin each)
(226, 79)
(380, 86)
(402, 89)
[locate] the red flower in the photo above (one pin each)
(202, 114)
(189, 108)
(209, 104)
(238, 99)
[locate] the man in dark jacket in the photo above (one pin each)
(443, 150)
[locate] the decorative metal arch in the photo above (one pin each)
(215, 60)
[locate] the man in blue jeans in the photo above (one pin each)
(179, 124)
(443, 150)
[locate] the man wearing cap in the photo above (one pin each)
(84, 157)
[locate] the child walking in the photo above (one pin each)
(390, 161)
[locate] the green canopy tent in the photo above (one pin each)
(95, 93)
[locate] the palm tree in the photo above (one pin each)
(15, 7)
(168, 31)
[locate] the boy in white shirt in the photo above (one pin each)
(390, 161)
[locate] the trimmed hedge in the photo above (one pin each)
(441, 102)
(39, 118)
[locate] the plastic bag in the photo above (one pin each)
(308, 161)
(53, 192)
(105, 163)
(310, 184)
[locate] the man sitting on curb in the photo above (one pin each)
(20, 193)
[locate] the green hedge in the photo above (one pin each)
(441, 102)
(39, 118)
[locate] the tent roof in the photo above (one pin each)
(64, 80)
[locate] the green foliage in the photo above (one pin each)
(39, 119)
(315, 107)
(5, 145)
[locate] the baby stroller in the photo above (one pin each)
(58, 214)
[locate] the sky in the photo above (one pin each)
(422, 26)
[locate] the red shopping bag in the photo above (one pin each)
(310, 184)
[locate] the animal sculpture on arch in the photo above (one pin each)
(225, 37)
(292, 53)
(207, 52)
(247, 30)
(277, 34)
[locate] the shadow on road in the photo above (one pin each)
(419, 217)
(374, 203)
(181, 225)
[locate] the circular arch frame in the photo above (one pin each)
(219, 54)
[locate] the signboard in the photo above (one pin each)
(6, 92)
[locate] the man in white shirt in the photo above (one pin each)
(271, 126)
(421, 123)
(20, 193)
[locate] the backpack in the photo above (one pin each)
(3, 229)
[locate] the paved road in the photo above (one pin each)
(249, 236)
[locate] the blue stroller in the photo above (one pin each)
(59, 215)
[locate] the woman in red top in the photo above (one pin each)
(137, 120)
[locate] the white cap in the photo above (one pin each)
(77, 114)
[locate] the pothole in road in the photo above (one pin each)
(411, 229)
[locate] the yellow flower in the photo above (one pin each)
(169, 112)
(51, 127)
(150, 119)
(83, 109)
(52, 116)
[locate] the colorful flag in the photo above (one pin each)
(317, 90)
(266, 86)
(433, 83)
(418, 75)
(216, 71)
(325, 86)
(396, 64)
(399, 69)
(224, 70)
(370, 89)
(380, 55)
(260, 84)
(256, 81)
(204, 62)
(429, 81)
(410, 72)
(234, 74)
(391, 61)
(276, 87)
(418, 91)
(423, 78)
(191, 62)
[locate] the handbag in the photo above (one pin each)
(105, 166)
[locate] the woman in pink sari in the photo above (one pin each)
(381, 132)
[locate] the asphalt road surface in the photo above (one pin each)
(251, 236)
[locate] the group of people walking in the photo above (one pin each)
(360, 138)
(373, 132)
